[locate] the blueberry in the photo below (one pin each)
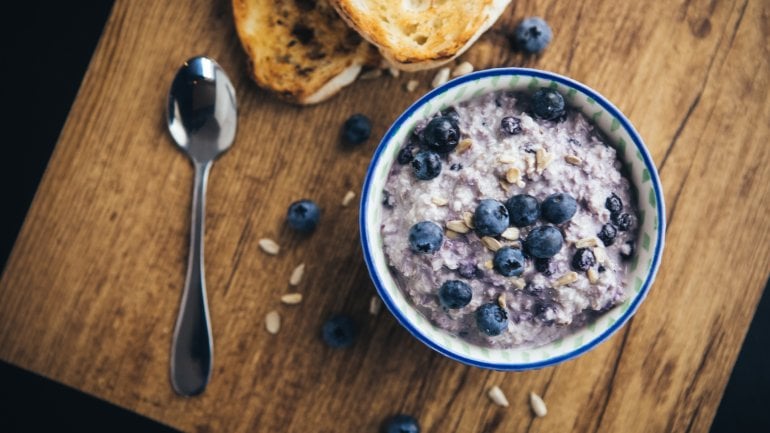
(491, 218)
(622, 221)
(548, 104)
(523, 209)
(583, 259)
(491, 319)
(441, 134)
(558, 208)
(511, 125)
(601, 268)
(339, 331)
(532, 35)
(426, 165)
(543, 242)
(627, 250)
(303, 215)
(544, 267)
(406, 154)
(607, 234)
(357, 129)
(425, 237)
(613, 204)
(452, 113)
(401, 424)
(454, 294)
(509, 262)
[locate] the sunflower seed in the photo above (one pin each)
(452, 235)
(468, 219)
(504, 185)
(442, 76)
(542, 158)
(586, 243)
(593, 276)
(488, 264)
(269, 246)
(439, 201)
(507, 159)
(349, 196)
(273, 322)
(411, 85)
(464, 145)
(568, 278)
(601, 255)
(497, 396)
(501, 301)
(462, 69)
(297, 274)
(457, 226)
(519, 283)
(375, 305)
(538, 405)
(572, 159)
(511, 233)
(291, 298)
(513, 175)
(491, 243)
(394, 72)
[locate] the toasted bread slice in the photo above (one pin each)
(300, 49)
(420, 34)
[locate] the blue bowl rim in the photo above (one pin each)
(647, 159)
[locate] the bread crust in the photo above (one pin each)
(420, 34)
(300, 49)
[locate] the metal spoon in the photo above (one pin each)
(202, 117)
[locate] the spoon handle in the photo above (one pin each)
(192, 346)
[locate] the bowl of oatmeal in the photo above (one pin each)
(512, 219)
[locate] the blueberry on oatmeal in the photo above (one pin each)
(425, 237)
(622, 221)
(544, 242)
(607, 234)
(441, 134)
(548, 104)
(511, 125)
(454, 294)
(583, 259)
(491, 319)
(508, 262)
(524, 210)
(558, 208)
(491, 218)
(426, 165)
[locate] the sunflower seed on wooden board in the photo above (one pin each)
(441, 77)
(273, 322)
(511, 234)
(572, 159)
(291, 298)
(394, 72)
(269, 246)
(349, 196)
(464, 145)
(491, 243)
(457, 226)
(296, 275)
(375, 305)
(462, 69)
(497, 396)
(439, 201)
(411, 85)
(538, 405)
(568, 278)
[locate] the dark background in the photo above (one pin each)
(51, 44)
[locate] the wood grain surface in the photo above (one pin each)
(92, 288)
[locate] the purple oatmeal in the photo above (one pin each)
(508, 221)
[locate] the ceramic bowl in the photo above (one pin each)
(631, 150)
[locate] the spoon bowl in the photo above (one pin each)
(202, 118)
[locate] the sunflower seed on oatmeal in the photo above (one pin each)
(269, 246)
(521, 184)
(538, 405)
(291, 298)
(543, 159)
(273, 322)
(587, 243)
(468, 219)
(519, 283)
(488, 264)
(411, 85)
(439, 201)
(593, 276)
(491, 243)
(513, 175)
(601, 255)
(297, 274)
(462, 69)
(441, 77)
(501, 301)
(497, 396)
(464, 145)
(504, 186)
(572, 159)
(375, 305)
(507, 159)
(452, 235)
(568, 278)
(457, 226)
(511, 234)
(349, 196)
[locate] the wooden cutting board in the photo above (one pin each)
(91, 291)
